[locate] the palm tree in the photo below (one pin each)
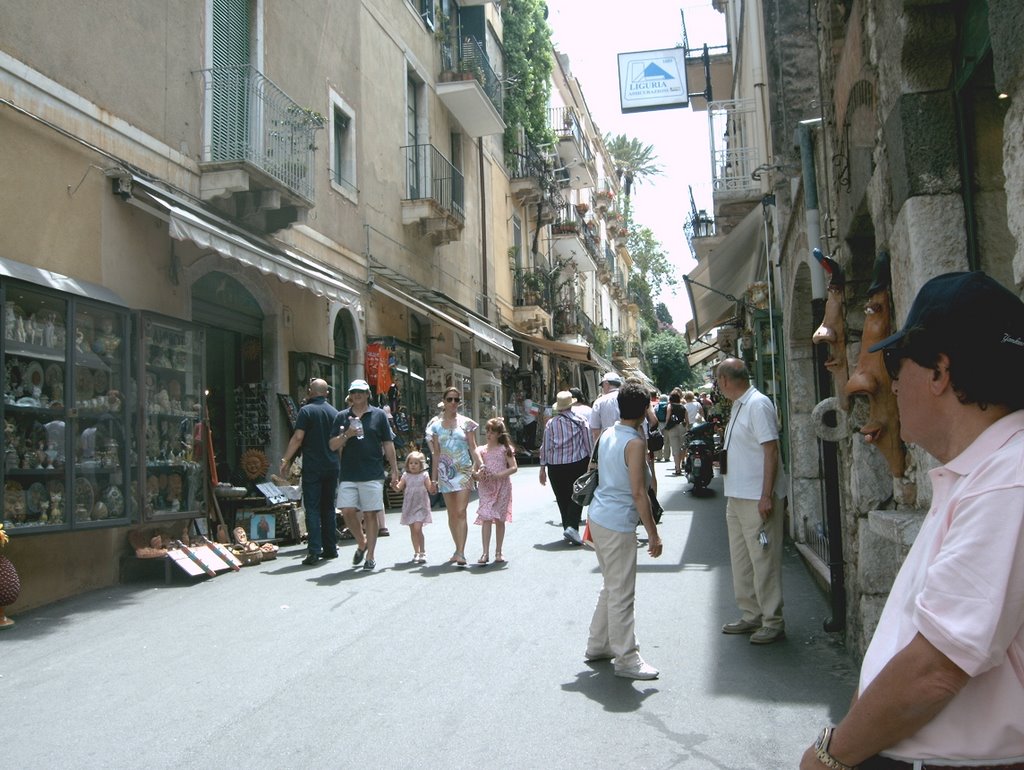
(633, 161)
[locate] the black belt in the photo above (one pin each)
(878, 762)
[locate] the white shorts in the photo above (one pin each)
(361, 495)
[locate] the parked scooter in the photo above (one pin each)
(700, 455)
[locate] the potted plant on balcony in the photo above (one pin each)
(533, 287)
(564, 228)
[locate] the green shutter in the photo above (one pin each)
(230, 53)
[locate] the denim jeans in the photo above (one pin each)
(318, 491)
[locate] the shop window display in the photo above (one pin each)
(65, 458)
(170, 418)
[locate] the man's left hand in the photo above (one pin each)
(764, 507)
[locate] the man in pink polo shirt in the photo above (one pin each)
(942, 682)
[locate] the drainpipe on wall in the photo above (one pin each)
(484, 306)
(828, 454)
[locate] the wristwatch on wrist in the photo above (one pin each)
(821, 751)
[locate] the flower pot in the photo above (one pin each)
(10, 587)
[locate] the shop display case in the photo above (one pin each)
(65, 405)
(303, 367)
(169, 418)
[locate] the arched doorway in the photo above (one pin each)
(233, 322)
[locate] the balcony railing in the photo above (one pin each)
(532, 287)
(566, 125)
(253, 121)
(472, 58)
(524, 161)
(733, 153)
(429, 175)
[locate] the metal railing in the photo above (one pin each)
(532, 287)
(253, 121)
(430, 175)
(473, 58)
(524, 161)
(566, 125)
(733, 153)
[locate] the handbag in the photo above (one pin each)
(655, 440)
(583, 487)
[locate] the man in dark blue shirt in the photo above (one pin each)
(319, 471)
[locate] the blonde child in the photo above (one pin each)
(496, 462)
(418, 488)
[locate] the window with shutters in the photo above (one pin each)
(343, 148)
(231, 51)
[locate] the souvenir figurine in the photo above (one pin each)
(106, 342)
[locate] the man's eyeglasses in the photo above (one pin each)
(893, 360)
(452, 399)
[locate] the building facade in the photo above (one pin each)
(209, 204)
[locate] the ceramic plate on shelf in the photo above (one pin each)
(38, 499)
(54, 375)
(55, 487)
(100, 382)
(83, 382)
(34, 374)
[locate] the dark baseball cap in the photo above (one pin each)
(966, 309)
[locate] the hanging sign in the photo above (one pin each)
(653, 80)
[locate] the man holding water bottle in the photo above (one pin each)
(362, 436)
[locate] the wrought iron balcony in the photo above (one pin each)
(574, 150)
(528, 170)
(572, 238)
(734, 156)
(434, 193)
(257, 140)
(469, 87)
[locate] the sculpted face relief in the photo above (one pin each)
(833, 328)
(870, 379)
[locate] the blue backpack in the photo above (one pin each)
(661, 410)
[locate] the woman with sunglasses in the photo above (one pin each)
(452, 438)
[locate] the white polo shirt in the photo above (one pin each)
(752, 423)
(605, 410)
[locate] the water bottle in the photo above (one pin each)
(357, 424)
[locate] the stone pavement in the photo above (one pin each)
(282, 665)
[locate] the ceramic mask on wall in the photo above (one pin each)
(870, 378)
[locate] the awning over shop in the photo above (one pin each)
(487, 338)
(717, 285)
(700, 353)
(583, 354)
(37, 275)
(189, 222)
(639, 374)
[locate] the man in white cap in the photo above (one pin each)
(363, 437)
(605, 409)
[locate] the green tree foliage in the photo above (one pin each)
(528, 65)
(634, 162)
(672, 368)
(662, 314)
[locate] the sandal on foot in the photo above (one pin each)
(461, 560)
(483, 559)
(498, 558)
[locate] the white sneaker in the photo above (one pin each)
(573, 536)
(642, 670)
